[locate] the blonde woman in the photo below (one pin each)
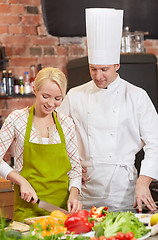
(47, 165)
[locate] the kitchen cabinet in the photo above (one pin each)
(6, 198)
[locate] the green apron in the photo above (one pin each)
(45, 166)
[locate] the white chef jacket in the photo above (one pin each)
(113, 125)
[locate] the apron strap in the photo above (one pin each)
(59, 128)
(29, 126)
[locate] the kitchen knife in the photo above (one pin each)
(48, 206)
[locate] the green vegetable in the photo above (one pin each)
(120, 222)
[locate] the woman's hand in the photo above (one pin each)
(143, 194)
(26, 190)
(73, 203)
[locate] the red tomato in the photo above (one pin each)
(103, 238)
(93, 238)
(129, 235)
(112, 238)
(120, 236)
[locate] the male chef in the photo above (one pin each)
(114, 120)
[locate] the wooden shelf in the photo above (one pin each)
(17, 96)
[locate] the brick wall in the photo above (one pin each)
(27, 42)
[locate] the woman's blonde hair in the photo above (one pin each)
(52, 74)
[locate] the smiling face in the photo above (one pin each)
(48, 98)
(103, 75)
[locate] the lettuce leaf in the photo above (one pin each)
(120, 222)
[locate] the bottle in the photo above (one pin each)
(16, 85)
(10, 83)
(26, 83)
(32, 76)
(1, 121)
(1, 89)
(5, 82)
(39, 67)
(21, 85)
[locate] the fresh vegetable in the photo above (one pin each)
(154, 219)
(129, 235)
(115, 222)
(16, 235)
(120, 235)
(79, 222)
(103, 238)
(58, 215)
(53, 224)
(11, 234)
(98, 212)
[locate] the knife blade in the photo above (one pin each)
(48, 206)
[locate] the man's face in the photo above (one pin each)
(103, 75)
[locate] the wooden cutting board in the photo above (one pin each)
(18, 226)
(32, 220)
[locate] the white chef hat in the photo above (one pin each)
(104, 32)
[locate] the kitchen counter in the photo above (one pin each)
(153, 237)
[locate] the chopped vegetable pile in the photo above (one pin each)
(120, 222)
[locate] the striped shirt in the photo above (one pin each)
(13, 130)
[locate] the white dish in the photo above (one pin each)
(145, 218)
(145, 236)
(88, 234)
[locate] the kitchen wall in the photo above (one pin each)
(27, 42)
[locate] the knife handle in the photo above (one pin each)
(37, 200)
(32, 198)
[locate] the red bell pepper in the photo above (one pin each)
(79, 222)
(98, 212)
